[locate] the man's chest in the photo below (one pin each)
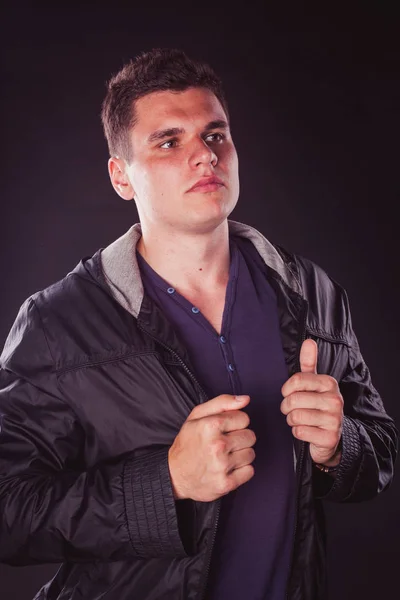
(212, 309)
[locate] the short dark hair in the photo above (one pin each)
(156, 70)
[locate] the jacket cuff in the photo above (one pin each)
(340, 488)
(150, 506)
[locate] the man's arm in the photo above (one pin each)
(369, 437)
(52, 509)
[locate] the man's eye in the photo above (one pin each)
(218, 137)
(168, 142)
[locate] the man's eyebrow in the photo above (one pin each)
(217, 124)
(173, 131)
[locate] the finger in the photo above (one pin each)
(238, 440)
(308, 382)
(322, 438)
(228, 421)
(241, 458)
(314, 418)
(217, 405)
(323, 401)
(308, 357)
(240, 476)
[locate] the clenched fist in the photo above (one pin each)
(212, 453)
(314, 407)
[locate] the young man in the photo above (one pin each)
(175, 408)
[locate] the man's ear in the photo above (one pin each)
(119, 178)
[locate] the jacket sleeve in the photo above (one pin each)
(52, 509)
(369, 436)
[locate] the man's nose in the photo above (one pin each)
(203, 153)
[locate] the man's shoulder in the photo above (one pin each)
(310, 273)
(62, 303)
(328, 311)
(83, 280)
(68, 321)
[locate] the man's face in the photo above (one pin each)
(165, 165)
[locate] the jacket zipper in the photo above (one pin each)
(184, 365)
(300, 462)
(189, 372)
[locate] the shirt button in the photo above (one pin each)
(170, 290)
(231, 367)
(222, 339)
(195, 310)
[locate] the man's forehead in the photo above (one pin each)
(160, 109)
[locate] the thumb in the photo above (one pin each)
(308, 357)
(218, 405)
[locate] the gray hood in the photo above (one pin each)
(122, 273)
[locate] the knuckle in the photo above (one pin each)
(251, 471)
(240, 418)
(337, 422)
(246, 419)
(214, 423)
(338, 401)
(335, 405)
(253, 437)
(298, 416)
(293, 400)
(224, 485)
(331, 381)
(218, 446)
(297, 379)
(219, 420)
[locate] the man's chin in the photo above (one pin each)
(201, 224)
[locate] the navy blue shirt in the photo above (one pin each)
(252, 550)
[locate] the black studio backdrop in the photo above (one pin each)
(314, 106)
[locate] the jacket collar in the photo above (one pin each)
(122, 274)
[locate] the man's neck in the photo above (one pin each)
(191, 263)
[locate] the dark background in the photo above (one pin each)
(314, 106)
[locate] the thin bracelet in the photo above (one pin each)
(326, 469)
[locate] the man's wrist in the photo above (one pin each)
(175, 491)
(334, 460)
(331, 465)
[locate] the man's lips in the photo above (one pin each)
(207, 184)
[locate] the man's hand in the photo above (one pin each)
(211, 454)
(314, 407)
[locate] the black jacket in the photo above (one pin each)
(94, 387)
